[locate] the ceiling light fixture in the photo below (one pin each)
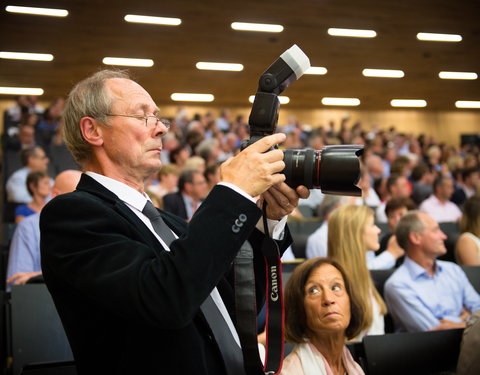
(21, 91)
(467, 104)
(145, 63)
(458, 75)
(317, 70)
(168, 21)
(37, 11)
(432, 37)
(356, 33)
(186, 97)
(383, 73)
(281, 99)
(341, 101)
(26, 56)
(219, 66)
(417, 103)
(264, 27)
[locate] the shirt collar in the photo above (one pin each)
(416, 270)
(124, 192)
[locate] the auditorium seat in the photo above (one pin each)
(473, 274)
(453, 232)
(37, 334)
(379, 278)
(417, 353)
(300, 231)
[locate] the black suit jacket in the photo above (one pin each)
(175, 204)
(127, 305)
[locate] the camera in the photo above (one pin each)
(334, 169)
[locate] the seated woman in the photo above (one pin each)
(352, 233)
(322, 312)
(468, 244)
(39, 185)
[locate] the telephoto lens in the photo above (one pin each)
(333, 170)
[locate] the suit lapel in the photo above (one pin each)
(91, 186)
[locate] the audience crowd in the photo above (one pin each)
(400, 174)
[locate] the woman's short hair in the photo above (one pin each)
(410, 222)
(33, 178)
(168, 169)
(88, 98)
(295, 315)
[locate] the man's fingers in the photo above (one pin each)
(267, 142)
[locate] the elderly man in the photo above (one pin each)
(425, 293)
(138, 290)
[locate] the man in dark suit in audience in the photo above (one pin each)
(192, 190)
(129, 286)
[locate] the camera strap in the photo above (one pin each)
(246, 309)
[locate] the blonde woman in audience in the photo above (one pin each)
(196, 162)
(167, 182)
(351, 233)
(468, 244)
(322, 311)
(39, 185)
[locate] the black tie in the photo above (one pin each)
(158, 224)
(231, 352)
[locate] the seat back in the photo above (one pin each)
(417, 353)
(37, 334)
(473, 274)
(453, 232)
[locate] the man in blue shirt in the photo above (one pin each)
(426, 293)
(24, 258)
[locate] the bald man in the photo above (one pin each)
(24, 258)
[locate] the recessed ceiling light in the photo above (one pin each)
(169, 21)
(383, 73)
(146, 63)
(21, 91)
(318, 70)
(26, 56)
(432, 37)
(458, 75)
(219, 66)
(341, 101)
(265, 27)
(281, 99)
(408, 103)
(357, 33)
(467, 104)
(37, 11)
(186, 97)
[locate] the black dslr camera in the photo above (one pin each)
(334, 169)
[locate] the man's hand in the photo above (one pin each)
(394, 248)
(282, 200)
(22, 277)
(448, 324)
(253, 170)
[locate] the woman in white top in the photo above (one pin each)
(351, 233)
(322, 312)
(468, 244)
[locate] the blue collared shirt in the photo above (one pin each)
(25, 247)
(417, 301)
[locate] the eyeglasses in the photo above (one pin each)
(151, 121)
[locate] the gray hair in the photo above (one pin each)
(410, 222)
(87, 98)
